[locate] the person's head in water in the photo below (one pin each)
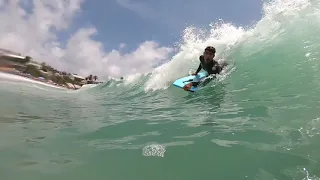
(209, 53)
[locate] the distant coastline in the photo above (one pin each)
(13, 63)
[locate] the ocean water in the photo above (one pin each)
(259, 120)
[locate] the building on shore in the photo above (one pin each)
(14, 61)
(78, 78)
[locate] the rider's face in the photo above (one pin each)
(208, 55)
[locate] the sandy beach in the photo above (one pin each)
(7, 72)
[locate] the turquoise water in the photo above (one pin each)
(259, 120)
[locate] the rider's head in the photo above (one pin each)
(209, 53)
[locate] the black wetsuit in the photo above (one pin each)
(212, 67)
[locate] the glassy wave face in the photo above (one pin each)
(258, 120)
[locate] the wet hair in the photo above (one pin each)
(210, 49)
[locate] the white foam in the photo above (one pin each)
(225, 37)
(133, 78)
(222, 37)
(88, 86)
(154, 150)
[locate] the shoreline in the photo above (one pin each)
(25, 66)
(14, 72)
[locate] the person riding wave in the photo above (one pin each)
(208, 64)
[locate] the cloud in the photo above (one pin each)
(83, 52)
(143, 9)
(32, 28)
(156, 12)
(122, 45)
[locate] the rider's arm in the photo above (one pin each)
(199, 68)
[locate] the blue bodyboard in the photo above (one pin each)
(180, 83)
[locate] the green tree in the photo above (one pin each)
(28, 59)
(67, 79)
(30, 69)
(58, 80)
(95, 77)
(54, 78)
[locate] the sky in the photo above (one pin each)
(110, 38)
